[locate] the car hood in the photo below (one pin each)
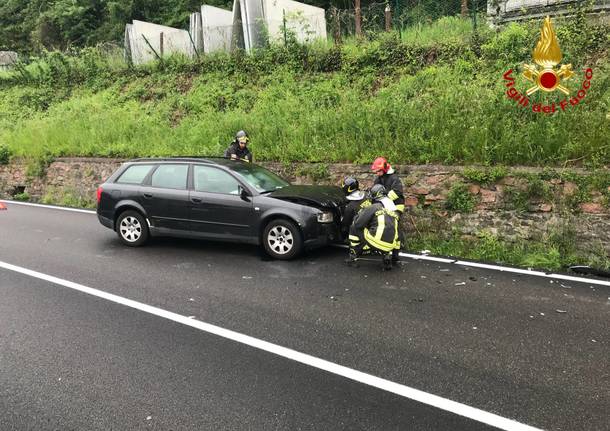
(327, 196)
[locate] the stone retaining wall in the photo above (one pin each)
(519, 203)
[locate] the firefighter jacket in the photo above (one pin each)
(352, 209)
(243, 154)
(393, 185)
(378, 227)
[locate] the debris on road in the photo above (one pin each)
(460, 284)
(565, 287)
(542, 314)
(191, 299)
(422, 276)
(425, 252)
(2, 206)
(444, 270)
(561, 311)
(148, 418)
(246, 277)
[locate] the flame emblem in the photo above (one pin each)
(547, 54)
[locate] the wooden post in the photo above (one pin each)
(358, 17)
(464, 8)
(161, 44)
(337, 32)
(388, 18)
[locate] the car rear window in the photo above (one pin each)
(134, 174)
(170, 177)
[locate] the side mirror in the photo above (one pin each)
(243, 193)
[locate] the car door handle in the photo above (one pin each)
(196, 200)
(148, 195)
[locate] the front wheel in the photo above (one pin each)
(282, 239)
(132, 229)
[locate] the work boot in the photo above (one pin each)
(352, 260)
(387, 262)
(395, 257)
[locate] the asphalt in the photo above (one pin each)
(531, 349)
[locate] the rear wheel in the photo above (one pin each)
(132, 229)
(282, 239)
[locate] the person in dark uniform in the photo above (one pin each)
(238, 150)
(375, 228)
(357, 200)
(387, 177)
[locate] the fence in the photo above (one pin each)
(400, 15)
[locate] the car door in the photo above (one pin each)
(217, 207)
(165, 197)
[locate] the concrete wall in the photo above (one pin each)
(305, 21)
(502, 11)
(426, 191)
(7, 59)
(217, 28)
(146, 37)
(196, 31)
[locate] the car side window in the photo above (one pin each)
(170, 177)
(134, 174)
(213, 180)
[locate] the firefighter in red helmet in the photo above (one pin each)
(387, 177)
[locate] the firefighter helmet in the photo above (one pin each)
(242, 137)
(377, 192)
(350, 185)
(380, 164)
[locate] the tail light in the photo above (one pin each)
(99, 194)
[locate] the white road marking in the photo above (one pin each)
(500, 268)
(303, 358)
(28, 204)
(408, 255)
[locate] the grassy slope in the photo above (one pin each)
(433, 96)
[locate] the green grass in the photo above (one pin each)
(423, 97)
(550, 253)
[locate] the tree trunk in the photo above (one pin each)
(358, 17)
(464, 8)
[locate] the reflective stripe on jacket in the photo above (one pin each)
(380, 227)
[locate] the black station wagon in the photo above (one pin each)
(218, 199)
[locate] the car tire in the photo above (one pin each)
(132, 229)
(282, 239)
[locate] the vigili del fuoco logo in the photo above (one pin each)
(547, 55)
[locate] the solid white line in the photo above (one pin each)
(409, 255)
(500, 268)
(425, 257)
(28, 204)
(358, 376)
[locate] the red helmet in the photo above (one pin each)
(380, 164)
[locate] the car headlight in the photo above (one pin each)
(325, 217)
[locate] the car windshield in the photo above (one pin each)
(261, 179)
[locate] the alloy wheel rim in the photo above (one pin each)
(130, 229)
(280, 240)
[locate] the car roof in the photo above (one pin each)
(220, 161)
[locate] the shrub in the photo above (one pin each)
(5, 154)
(460, 199)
